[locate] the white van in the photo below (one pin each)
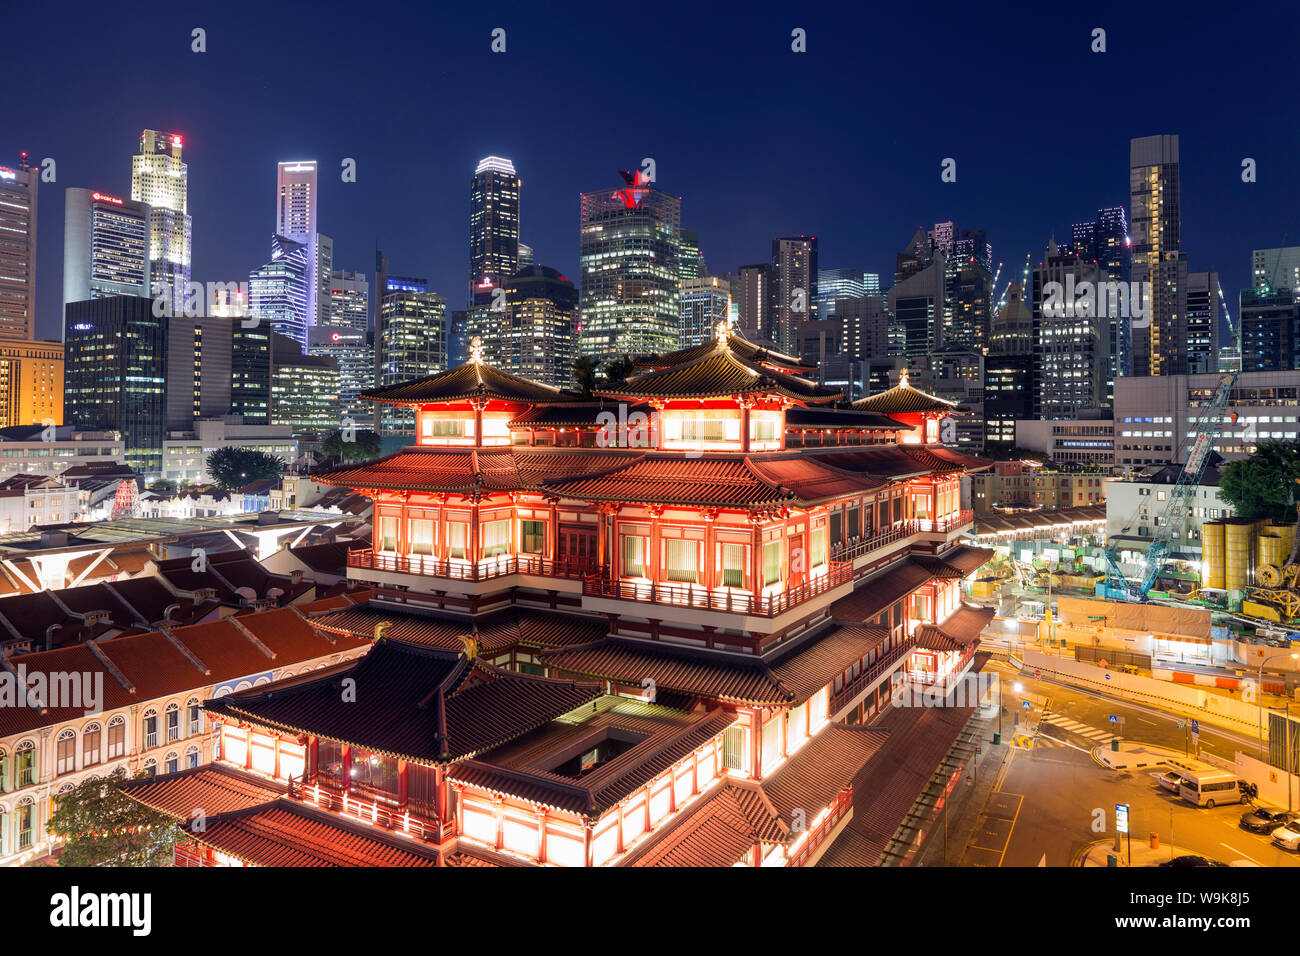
(1207, 789)
(1172, 778)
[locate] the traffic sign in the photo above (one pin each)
(1181, 724)
(1025, 704)
(1196, 726)
(1037, 673)
(1112, 718)
(1121, 817)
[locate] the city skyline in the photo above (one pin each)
(1017, 184)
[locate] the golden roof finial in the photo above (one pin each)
(468, 646)
(723, 332)
(902, 379)
(476, 350)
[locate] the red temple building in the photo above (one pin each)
(657, 626)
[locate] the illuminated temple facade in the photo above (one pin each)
(655, 626)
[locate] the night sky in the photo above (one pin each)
(843, 142)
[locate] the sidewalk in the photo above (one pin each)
(1143, 855)
(967, 801)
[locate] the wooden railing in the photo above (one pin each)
(366, 810)
(722, 599)
(463, 570)
(949, 523)
(841, 698)
(895, 532)
(842, 804)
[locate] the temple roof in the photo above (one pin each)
(410, 702)
(787, 677)
(496, 632)
(719, 371)
(209, 790)
(885, 462)
(719, 480)
(717, 831)
(468, 381)
(527, 768)
(822, 418)
(740, 346)
(961, 628)
(903, 398)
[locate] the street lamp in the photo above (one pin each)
(1259, 689)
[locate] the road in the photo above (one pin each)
(1051, 799)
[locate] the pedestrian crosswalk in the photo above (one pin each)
(1074, 727)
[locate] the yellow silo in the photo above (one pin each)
(1212, 544)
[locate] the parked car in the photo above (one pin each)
(1171, 780)
(1288, 837)
(1191, 860)
(1266, 820)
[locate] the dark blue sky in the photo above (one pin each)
(844, 141)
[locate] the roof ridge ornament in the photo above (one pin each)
(902, 379)
(476, 350)
(723, 332)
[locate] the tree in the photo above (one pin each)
(233, 467)
(362, 446)
(1264, 485)
(102, 826)
(617, 370)
(163, 487)
(584, 374)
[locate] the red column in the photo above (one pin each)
(347, 768)
(401, 784)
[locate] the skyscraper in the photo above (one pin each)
(295, 218)
(835, 284)
(1155, 216)
(279, 292)
(161, 180)
(1071, 340)
(31, 383)
(794, 287)
(916, 300)
(349, 301)
(1106, 241)
(752, 293)
(1276, 268)
(1009, 372)
(690, 261)
(1203, 306)
(18, 189)
(539, 340)
(304, 389)
(629, 244)
(1270, 330)
(410, 343)
(115, 373)
(705, 302)
(494, 193)
(105, 246)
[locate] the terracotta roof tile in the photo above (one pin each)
(719, 372)
(210, 790)
(739, 346)
(470, 380)
(498, 631)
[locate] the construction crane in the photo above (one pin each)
(1171, 521)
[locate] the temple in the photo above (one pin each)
(661, 624)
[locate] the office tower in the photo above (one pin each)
(753, 295)
(250, 372)
(864, 327)
(539, 334)
(1106, 241)
(198, 369)
(1009, 372)
(629, 248)
(494, 192)
(794, 287)
(105, 246)
(1276, 268)
(1203, 306)
(18, 193)
(349, 301)
(1269, 333)
(296, 197)
(115, 369)
(458, 337)
(835, 284)
(279, 292)
(690, 261)
(968, 282)
(161, 180)
(525, 256)
(354, 356)
(942, 237)
(410, 343)
(1071, 340)
(870, 283)
(304, 389)
(31, 383)
(916, 300)
(1155, 218)
(705, 302)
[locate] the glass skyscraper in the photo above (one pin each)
(161, 180)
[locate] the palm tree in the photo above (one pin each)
(616, 370)
(584, 374)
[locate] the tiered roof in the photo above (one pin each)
(496, 633)
(741, 347)
(413, 703)
(904, 398)
(470, 381)
(961, 629)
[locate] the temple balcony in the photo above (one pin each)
(697, 604)
(373, 807)
(485, 574)
(946, 528)
(868, 679)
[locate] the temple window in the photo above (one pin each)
(817, 542)
(681, 560)
(921, 607)
(837, 529)
(771, 562)
(496, 538)
(796, 727)
(772, 744)
(733, 565)
(457, 535)
(422, 536)
(700, 428)
(532, 537)
(735, 748)
(387, 534)
(765, 427)
(374, 772)
(634, 548)
(448, 428)
(922, 505)
(329, 762)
